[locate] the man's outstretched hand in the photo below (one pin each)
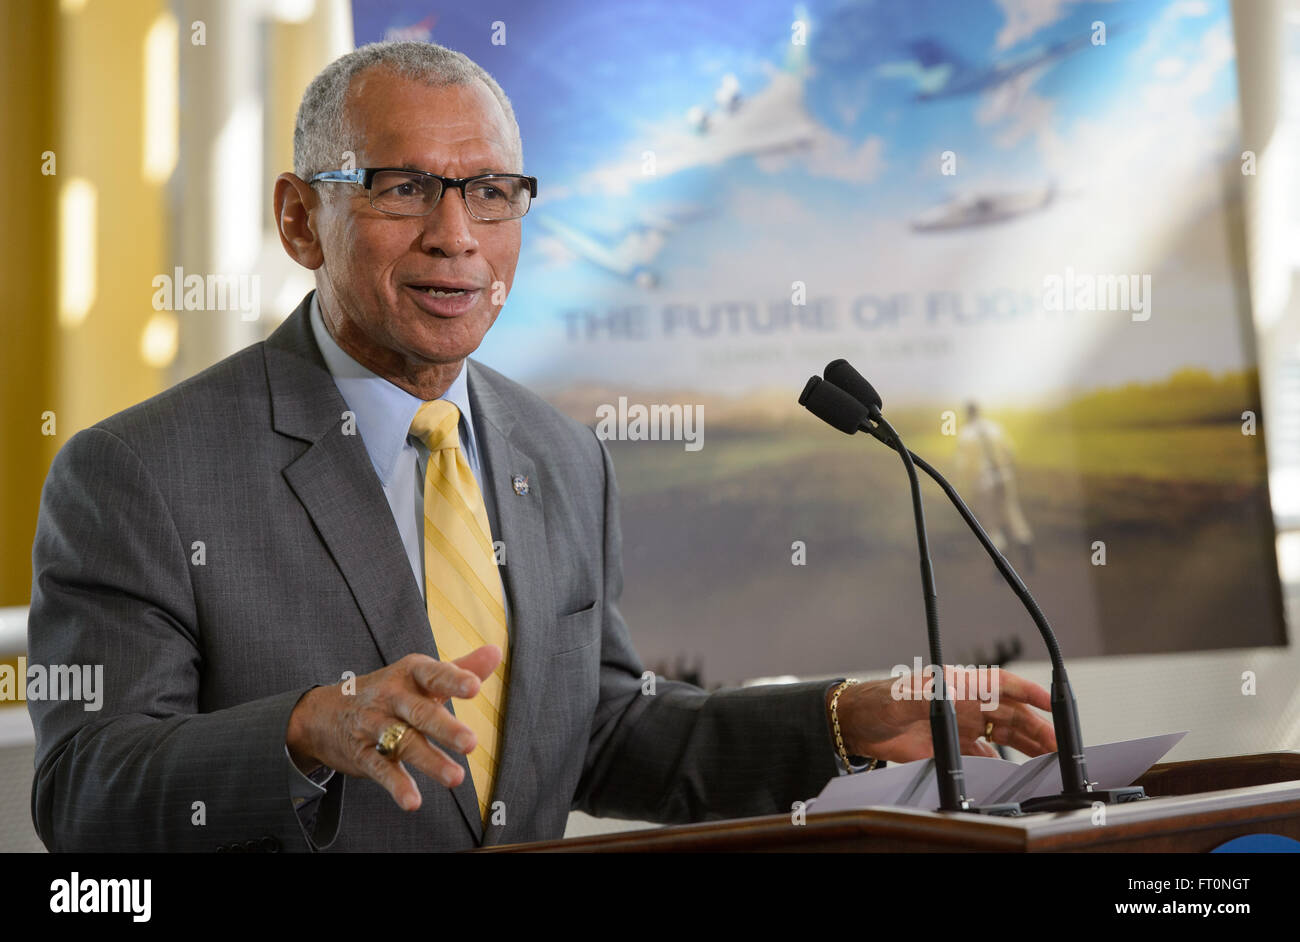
(875, 721)
(340, 730)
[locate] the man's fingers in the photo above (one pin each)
(982, 748)
(1030, 733)
(1030, 745)
(1006, 685)
(460, 679)
(481, 661)
(1016, 726)
(344, 730)
(430, 718)
(390, 774)
(1017, 688)
(421, 754)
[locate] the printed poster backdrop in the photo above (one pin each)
(1021, 220)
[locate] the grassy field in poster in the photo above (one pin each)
(1164, 474)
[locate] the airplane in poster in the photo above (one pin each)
(630, 254)
(940, 73)
(771, 120)
(982, 209)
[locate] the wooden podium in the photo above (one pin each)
(1194, 807)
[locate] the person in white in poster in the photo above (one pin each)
(986, 461)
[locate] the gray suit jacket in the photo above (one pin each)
(301, 576)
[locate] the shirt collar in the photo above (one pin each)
(383, 411)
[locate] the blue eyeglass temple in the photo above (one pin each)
(359, 176)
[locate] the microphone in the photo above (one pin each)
(848, 414)
(833, 405)
(840, 373)
(1077, 791)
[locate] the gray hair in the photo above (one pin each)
(320, 134)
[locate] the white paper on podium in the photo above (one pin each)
(992, 781)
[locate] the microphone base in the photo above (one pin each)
(1077, 800)
(1009, 810)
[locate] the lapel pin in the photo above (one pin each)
(521, 484)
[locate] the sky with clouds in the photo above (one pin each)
(817, 169)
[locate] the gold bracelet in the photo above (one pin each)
(835, 722)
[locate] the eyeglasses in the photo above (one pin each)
(489, 197)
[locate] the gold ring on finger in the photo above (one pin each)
(391, 738)
(988, 730)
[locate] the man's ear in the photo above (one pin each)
(294, 201)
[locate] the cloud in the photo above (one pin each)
(1182, 89)
(837, 158)
(832, 157)
(1167, 119)
(1034, 116)
(1024, 18)
(1169, 67)
(555, 252)
(1019, 110)
(1157, 37)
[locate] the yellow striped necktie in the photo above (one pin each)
(462, 583)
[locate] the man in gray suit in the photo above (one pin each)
(244, 553)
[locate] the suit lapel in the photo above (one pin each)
(338, 487)
(521, 525)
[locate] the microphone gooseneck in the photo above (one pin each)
(845, 412)
(1077, 791)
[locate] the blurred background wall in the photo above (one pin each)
(146, 136)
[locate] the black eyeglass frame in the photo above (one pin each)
(365, 177)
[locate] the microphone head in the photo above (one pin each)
(841, 374)
(833, 405)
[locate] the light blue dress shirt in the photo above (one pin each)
(384, 413)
